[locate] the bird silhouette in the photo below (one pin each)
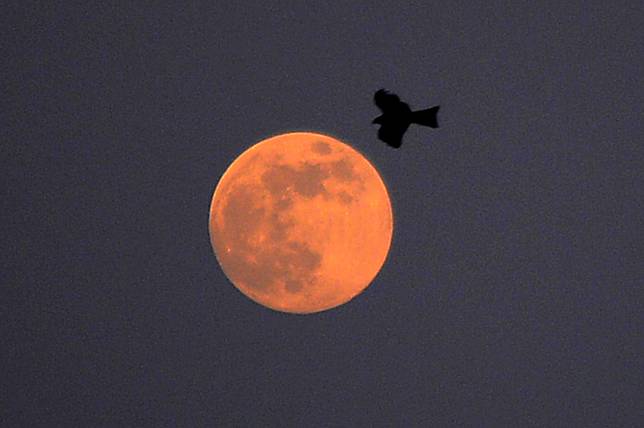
(397, 116)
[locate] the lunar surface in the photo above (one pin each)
(301, 222)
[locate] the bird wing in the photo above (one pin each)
(392, 133)
(386, 101)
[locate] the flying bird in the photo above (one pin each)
(397, 116)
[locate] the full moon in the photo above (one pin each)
(301, 222)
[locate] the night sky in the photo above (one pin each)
(511, 295)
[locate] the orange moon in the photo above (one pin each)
(301, 222)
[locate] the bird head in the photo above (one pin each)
(377, 120)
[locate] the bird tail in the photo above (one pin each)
(428, 117)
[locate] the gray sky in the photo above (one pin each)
(511, 293)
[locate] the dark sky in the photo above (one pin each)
(512, 291)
